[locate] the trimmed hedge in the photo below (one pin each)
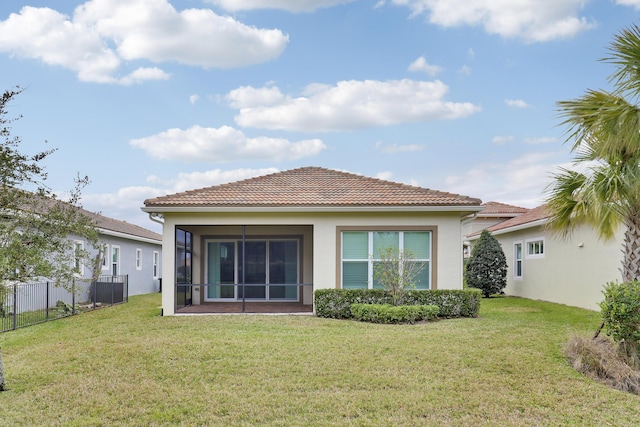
(336, 303)
(386, 313)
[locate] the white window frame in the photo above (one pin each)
(78, 263)
(115, 262)
(138, 259)
(516, 259)
(541, 248)
(156, 264)
(371, 259)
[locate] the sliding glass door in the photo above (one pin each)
(266, 266)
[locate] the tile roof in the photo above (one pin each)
(110, 224)
(501, 209)
(530, 217)
(311, 187)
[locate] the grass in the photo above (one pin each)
(126, 365)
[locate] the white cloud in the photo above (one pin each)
(105, 36)
(520, 181)
(532, 21)
(421, 64)
(288, 5)
(395, 148)
(541, 140)
(465, 70)
(385, 175)
(223, 144)
(501, 140)
(516, 103)
(125, 203)
(347, 105)
(634, 3)
(193, 99)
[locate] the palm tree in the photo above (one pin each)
(603, 188)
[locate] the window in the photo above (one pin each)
(105, 257)
(269, 265)
(517, 260)
(78, 251)
(138, 259)
(115, 260)
(535, 248)
(361, 251)
(156, 264)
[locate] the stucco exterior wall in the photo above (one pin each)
(320, 240)
(572, 271)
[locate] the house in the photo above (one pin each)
(130, 250)
(492, 213)
(274, 239)
(545, 266)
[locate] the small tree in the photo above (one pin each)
(396, 270)
(486, 268)
(36, 227)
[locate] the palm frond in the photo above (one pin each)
(624, 53)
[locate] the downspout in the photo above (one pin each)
(154, 217)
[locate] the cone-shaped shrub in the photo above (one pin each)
(487, 267)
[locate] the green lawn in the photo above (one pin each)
(126, 365)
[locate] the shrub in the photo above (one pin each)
(621, 317)
(336, 303)
(486, 269)
(386, 313)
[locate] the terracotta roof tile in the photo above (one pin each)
(311, 187)
(501, 209)
(531, 216)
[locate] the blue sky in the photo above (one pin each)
(152, 97)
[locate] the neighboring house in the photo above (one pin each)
(301, 230)
(130, 250)
(492, 213)
(545, 266)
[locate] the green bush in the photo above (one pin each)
(486, 268)
(621, 317)
(386, 313)
(336, 303)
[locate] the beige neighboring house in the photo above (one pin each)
(544, 266)
(268, 242)
(492, 213)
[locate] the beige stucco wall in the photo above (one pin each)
(321, 261)
(572, 271)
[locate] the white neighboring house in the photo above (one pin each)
(128, 249)
(544, 266)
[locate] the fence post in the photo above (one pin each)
(94, 285)
(15, 306)
(73, 297)
(47, 304)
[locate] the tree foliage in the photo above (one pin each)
(602, 188)
(396, 270)
(37, 228)
(486, 268)
(621, 318)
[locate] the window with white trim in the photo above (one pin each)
(78, 252)
(138, 259)
(517, 260)
(115, 260)
(361, 250)
(535, 248)
(156, 264)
